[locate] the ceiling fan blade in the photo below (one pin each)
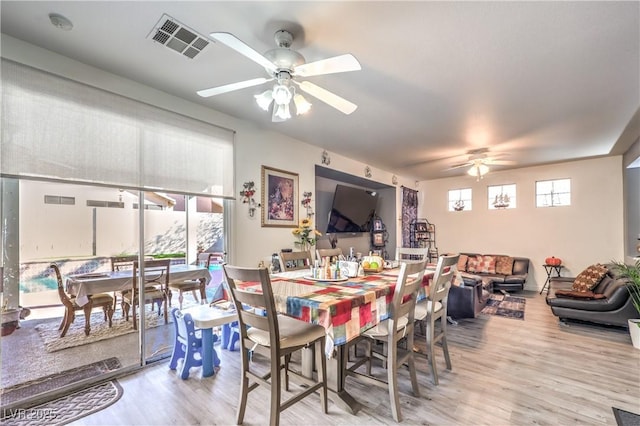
(499, 162)
(460, 165)
(205, 93)
(241, 47)
(327, 97)
(342, 63)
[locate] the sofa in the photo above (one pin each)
(498, 272)
(610, 303)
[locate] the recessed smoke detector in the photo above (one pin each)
(60, 21)
(178, 37)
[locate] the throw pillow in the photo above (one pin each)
(462, 262)
(579, 294)
(486, 264)
(589, 278)
(504, 265)
(472, 263)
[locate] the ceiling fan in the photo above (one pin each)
(285, 66)
(479, 162)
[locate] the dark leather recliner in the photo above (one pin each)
(614, 309)
(467, 300)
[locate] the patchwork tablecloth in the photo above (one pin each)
(345, 309)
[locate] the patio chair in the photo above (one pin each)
(156, 271)
(101, 300)
(193, 285)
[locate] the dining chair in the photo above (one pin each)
(433, 310)
(398, 326)
(101, 300)
(295, 260)
(156, 282)
(193, 286)
(321, 253)
(187, 344)
(404, 254)
(277, 335)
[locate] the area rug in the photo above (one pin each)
(66, 409)
(505, 306)
(55, 381)
(626, 418)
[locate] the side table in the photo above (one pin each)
(549, 269)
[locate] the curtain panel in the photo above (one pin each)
(56, 128)
(409, 213)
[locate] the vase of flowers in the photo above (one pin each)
(305, 234)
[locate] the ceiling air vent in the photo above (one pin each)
(178, 37)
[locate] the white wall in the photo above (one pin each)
(249, 242)
(588, 231)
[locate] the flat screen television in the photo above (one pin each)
(352, 210)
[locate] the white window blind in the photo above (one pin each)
(57, 128)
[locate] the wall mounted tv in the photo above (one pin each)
(352, 210)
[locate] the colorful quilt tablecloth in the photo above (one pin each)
(345, 309)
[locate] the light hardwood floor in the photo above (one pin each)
(505, 372)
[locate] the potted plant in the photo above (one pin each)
(632, 273)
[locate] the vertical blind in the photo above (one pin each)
(61, 129)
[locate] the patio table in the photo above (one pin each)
(84, 285)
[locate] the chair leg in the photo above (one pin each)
(108, 313)
(431, 350)
(134, 316)
(412, 364)
(180, 299)
(443, 339)
(274, 416)
(392, 378)
(244, 386)
(195, 296)
(69, 316)
(178, 352)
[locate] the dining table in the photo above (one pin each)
(345, 308)
(84, 285)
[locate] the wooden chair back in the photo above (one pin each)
(411, 254)
(406, 291)
(320, 253)
(442, 279)
(295, 260)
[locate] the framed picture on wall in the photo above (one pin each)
(279, 198)
(378, 225)
(378, 239)
(421, 227)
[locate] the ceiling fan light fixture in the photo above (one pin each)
(281, 112)
(478, 170)
(302, 105)
(281, 94)
(264, 99)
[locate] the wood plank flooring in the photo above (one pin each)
(505, 372)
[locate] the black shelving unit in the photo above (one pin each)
(422, 234)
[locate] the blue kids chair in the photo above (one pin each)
(188, 344)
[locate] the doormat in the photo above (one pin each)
(626, 418)
(66, 409)
(31, 388)
(505, 306)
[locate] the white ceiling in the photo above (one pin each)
(537, 82)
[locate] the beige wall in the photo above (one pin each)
(248, 241)
(588, 231)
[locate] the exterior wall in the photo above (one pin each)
(588, 231)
